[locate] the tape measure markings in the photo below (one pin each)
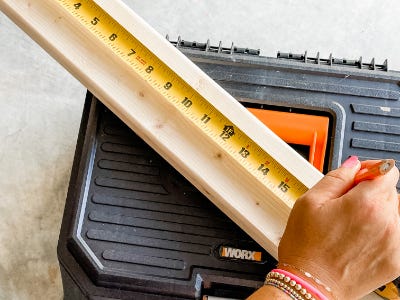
(187, 100)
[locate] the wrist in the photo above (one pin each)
(320, 289)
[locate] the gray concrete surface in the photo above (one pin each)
(41, 105)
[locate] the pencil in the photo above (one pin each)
(374, 170)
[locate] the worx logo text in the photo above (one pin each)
(229, 252)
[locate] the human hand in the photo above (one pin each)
(346, 236)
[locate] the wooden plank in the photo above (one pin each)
(248, 202)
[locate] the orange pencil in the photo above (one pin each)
(372, 170)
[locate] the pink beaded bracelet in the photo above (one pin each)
(295, 281)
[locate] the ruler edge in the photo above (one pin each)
(259, 231)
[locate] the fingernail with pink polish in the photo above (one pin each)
(351, 162)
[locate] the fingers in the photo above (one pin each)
(337, 182)
(382, 188)
(384, 182)
(375, 200)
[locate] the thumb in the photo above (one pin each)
(337, 182)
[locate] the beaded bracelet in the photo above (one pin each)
(293, 285)
(284, 287)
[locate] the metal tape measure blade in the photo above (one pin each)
(187, 100)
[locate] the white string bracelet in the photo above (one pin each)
(309, 275)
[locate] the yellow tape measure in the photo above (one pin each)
(186, 99)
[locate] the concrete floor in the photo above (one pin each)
(41, 105)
